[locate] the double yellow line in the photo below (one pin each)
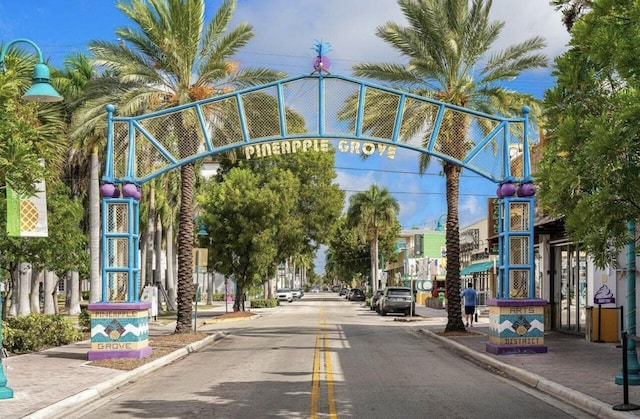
(322, 345)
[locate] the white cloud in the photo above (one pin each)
(285, 30)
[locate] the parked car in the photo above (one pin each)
(335, 288)
(343, 292)
(397, 300)
(284, 294)
(373, 304)
(315, 289)
(357, 294)
(297, 292)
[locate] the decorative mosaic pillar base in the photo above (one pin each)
(516, 326)
(119, 330)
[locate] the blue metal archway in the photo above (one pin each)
(302, 112)
(331, 107)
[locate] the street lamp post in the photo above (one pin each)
(40, 91)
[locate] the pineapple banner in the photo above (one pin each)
(27, 216)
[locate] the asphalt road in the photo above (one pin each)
(323, 356)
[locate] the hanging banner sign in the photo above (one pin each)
(27, 216)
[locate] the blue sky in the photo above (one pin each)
(285, 32)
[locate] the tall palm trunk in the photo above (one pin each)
(185, 249)
(170, 274)
(34, 295)
(74, 294)
(150, 236)
(49, 292)
(157, 249)
(374, 262)
(95, 281)
(25, 285)
(454, 307)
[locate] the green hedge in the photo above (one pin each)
(264, 303)
(35, 332)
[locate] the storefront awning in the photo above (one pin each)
(477, 267)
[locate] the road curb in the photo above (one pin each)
(565, 394)
(64, 407)
(233, 319)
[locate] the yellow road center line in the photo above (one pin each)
(329, 374)
(315, 379)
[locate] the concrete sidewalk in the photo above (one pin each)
(577, 371)
(41, 381)
(574, 370)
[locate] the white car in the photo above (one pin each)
(284, 294)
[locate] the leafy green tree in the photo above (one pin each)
(28, 131)
(373, 213)
(171, 57)
(62, 251)
(447, 44)
(75, 82)
(589, 170)
(244, 216)
(571, 10)
(349, 254)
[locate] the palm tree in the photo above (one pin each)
(447, 46)
(372, 213)
(82, 166)
(171, 58)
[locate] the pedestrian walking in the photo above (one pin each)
(470, 297)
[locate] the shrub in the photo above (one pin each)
(264, 303)
(84, 320)
(36, 331)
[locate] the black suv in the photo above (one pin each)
(356, 294)
(397, 300)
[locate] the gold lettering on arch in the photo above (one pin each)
(367, 148)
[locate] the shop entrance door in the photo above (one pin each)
(571, 277)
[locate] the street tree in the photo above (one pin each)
(170, 57)
(371, 214)
(447, 45)
(62, 251)
(589, 170)
(349, 254)
(28, 131)
(245, 216)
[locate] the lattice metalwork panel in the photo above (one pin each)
(520, 216)
(117, 218)
(312, 107)
(518, 283)
(120, 149)
(418, 122)
(117, 252)
(261, 112)
(519, 250)
(117, 286)
(302, 104)
(224, 125)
